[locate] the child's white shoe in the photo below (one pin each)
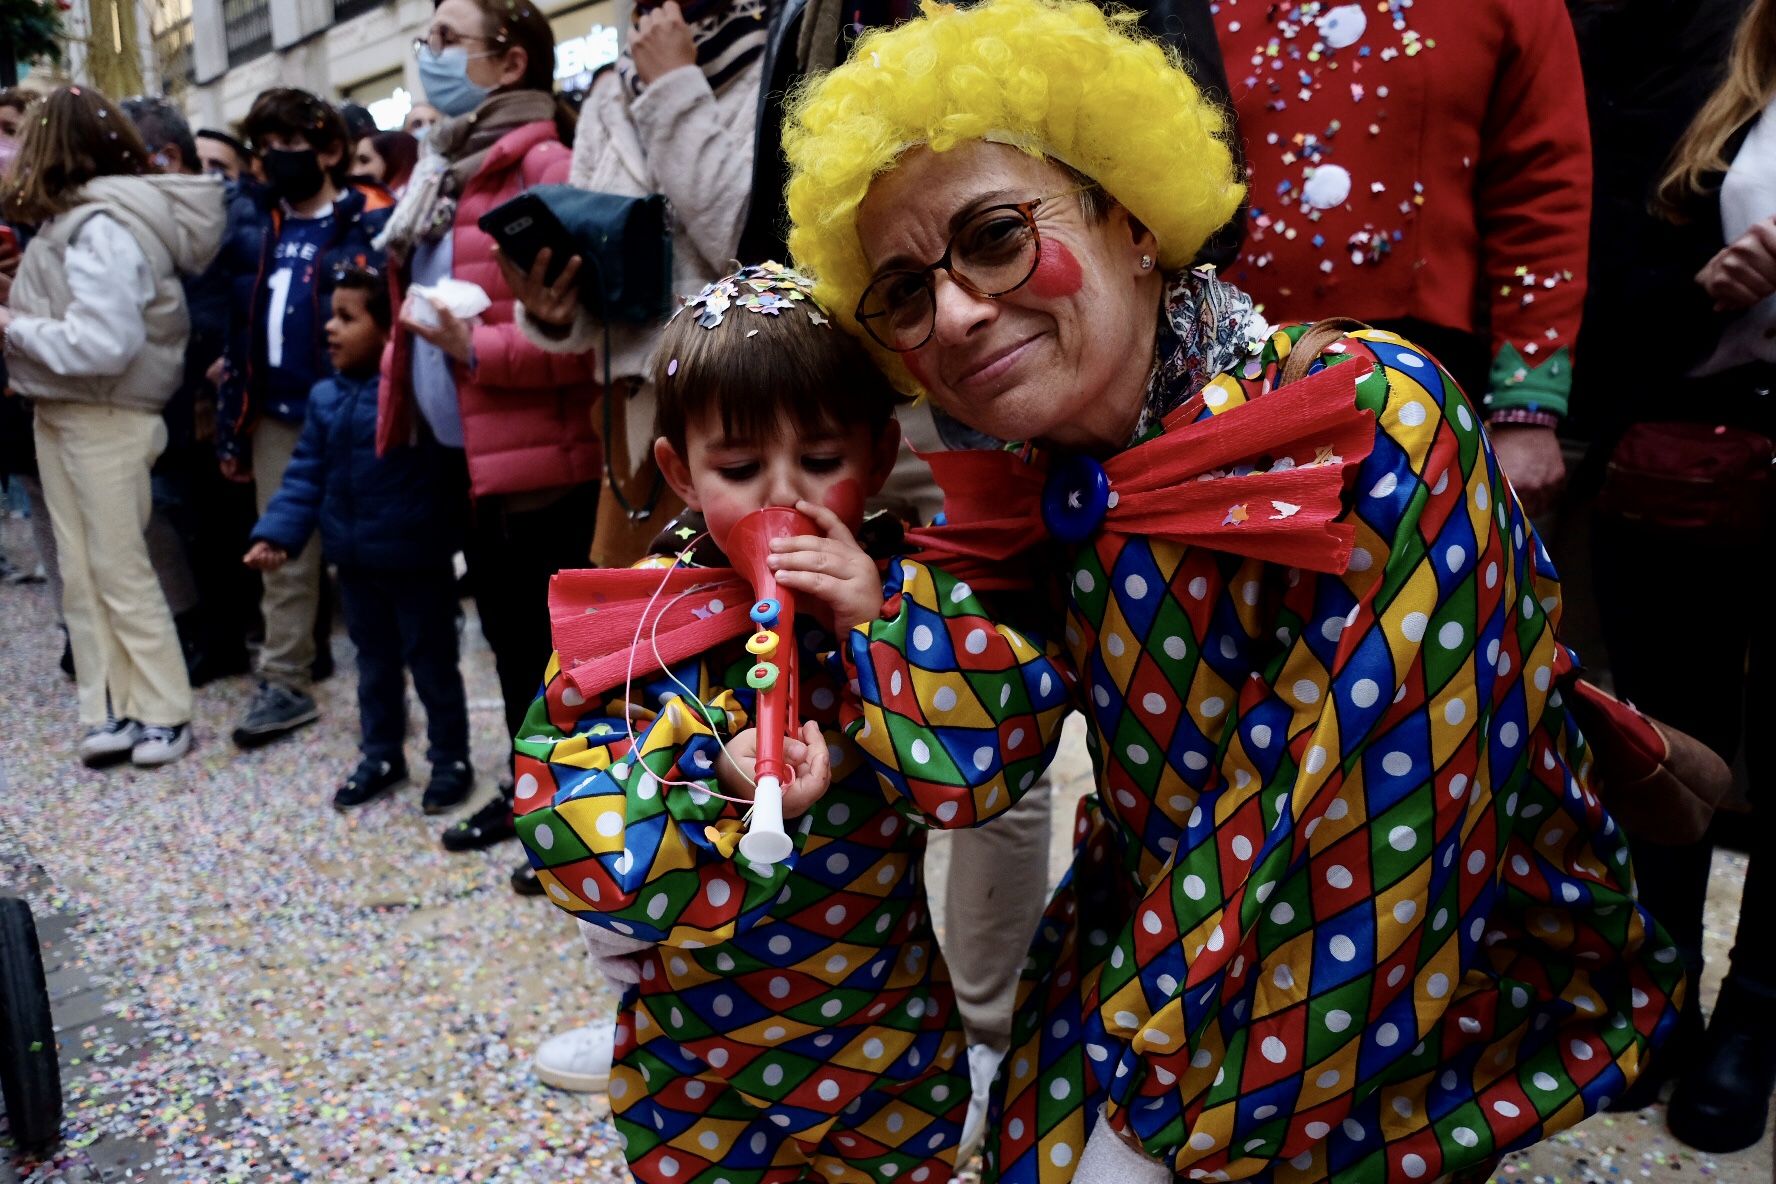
(578, 1061)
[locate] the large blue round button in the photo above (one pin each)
(1075, 498)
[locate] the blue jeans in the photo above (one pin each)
(406, 618)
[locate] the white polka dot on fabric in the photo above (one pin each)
(1194, 887)
(1465, 1136)
(1544, 1082)
(976, 641)
(1451, 635)
(1175, 648)
(1113, 642)
(1213, 706)
(1387, 1035)
(1135, 586)
(944, 699)
(1339, 876)
(1508, 735)
(1405, 911)
(1412, 1165)
(1241, 847)
(719, 892)
(1337, 1021)
(1316, 1130)
(1361, 559)
(1342, 948)
(1385, 486)
(922, 637)
(543, 836)
(1060, 1155)
(1364, 692)
(1482, 496)
(1454, 557)
(1412, 413)
(1402, 838)
(1274, 1050)
(1153, 703)
(1454, 712)
(1506, 1109)
(1397, 764)
(1437, 985)
(1283, 913)
(1316, 759)
(1412, 626)
(1085, 581)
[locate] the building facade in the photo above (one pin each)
(216, 55)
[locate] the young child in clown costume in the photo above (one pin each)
(1347, 906)
(789, 1021)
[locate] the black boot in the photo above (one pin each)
(1722, 1102)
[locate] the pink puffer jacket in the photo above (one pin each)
(526, 414)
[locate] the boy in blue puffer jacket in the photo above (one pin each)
(386, 523)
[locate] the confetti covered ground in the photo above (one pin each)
(250, 987)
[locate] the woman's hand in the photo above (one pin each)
(553, 306)
(266, 556)
(661, 42)
(834, 570)
(1744, 272)
(810, 768)
(451, 334)
(1530, 456)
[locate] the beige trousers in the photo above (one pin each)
(93, 462)
(293, 592)
(992, 903)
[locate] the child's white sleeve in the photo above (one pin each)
(103, 329)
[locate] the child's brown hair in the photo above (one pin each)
(74, 135)
(754, 347)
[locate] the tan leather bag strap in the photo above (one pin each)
(1311, 344)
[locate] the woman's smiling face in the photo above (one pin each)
(1065, 357)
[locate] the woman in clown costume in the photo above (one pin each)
(1346, 906)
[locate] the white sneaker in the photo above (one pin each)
(161, 745)
(109, 744)
(578, 1061)
(983, 1067)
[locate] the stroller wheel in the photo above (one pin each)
(30, 1077)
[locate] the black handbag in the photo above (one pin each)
(625, 250)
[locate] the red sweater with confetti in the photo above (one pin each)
(1427, 160)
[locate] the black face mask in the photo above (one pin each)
(293, 174)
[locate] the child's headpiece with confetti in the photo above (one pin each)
(765, 288)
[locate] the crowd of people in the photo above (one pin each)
(987, 294)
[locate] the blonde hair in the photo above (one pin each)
(1057, 78)
(1746, 90)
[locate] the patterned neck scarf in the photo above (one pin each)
(728, 38)
(1205, 327)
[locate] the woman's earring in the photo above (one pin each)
(1146, 263)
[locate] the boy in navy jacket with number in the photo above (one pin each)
(385, 522)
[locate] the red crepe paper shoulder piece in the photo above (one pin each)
(606, 623)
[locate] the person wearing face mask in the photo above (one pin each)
(518, 419)
(421, 118)
(318, 226)
(220, 153)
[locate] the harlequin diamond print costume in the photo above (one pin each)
(1345, 907)
(793, 1021)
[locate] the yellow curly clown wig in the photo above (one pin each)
(1056, 77)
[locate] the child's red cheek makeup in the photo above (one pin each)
(845, 498)
(1057, 273)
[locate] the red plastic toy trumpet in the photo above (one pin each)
(773, 675)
